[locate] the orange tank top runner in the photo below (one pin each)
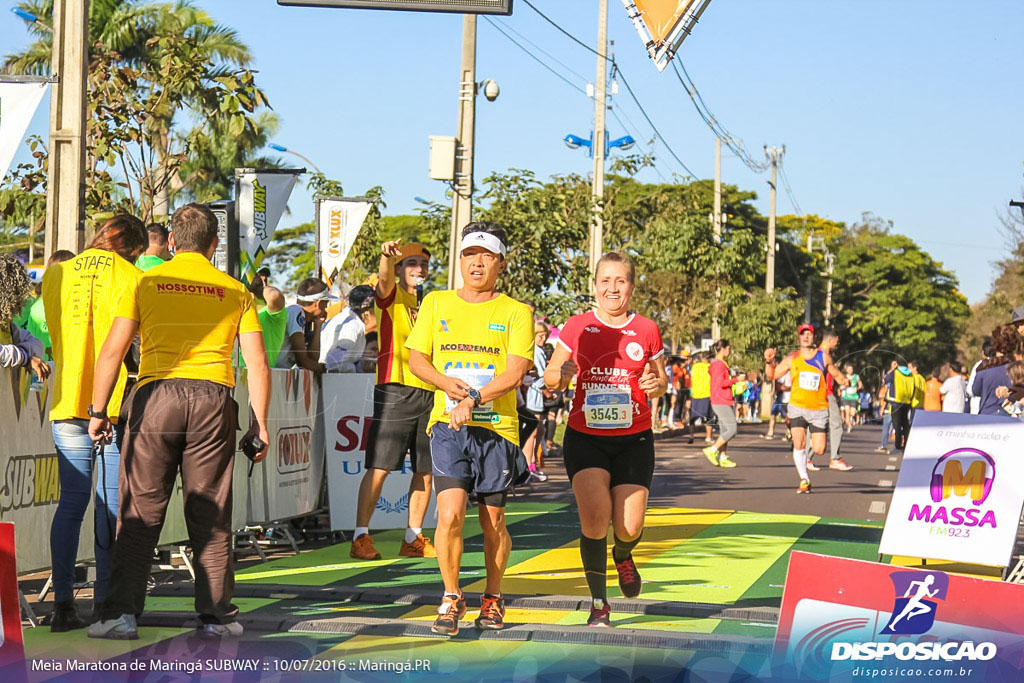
(809, 386)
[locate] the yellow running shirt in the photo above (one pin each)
(395, 317)
(189, 314)
(81, 297)
(700, 381)
(809, 390)
(471, 342)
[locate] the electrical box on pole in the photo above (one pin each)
(442, 157)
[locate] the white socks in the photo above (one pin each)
(800, 460)
(360, 530)
(412, 532)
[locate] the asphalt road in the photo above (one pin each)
(765, 479)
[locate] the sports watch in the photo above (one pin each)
(475, 395)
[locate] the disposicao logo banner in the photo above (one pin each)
(846, 619)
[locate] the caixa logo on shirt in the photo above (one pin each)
(293, 444)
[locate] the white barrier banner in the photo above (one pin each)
(338, 224)
(959, 493)
(261, 198)
(18, 104)
(348, 409)
(287, 484)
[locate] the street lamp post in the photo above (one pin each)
(281, 148)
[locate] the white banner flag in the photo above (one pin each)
(262, 196)
(18, 103)
(959, 494)
(338, 225)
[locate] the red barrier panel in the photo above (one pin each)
(12, 649)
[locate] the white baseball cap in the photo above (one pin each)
(485, 240)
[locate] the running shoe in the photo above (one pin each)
(362, 548)
(724, 461)
(629, 577)
(448, 614)
(122, 628)
(599, 616)
(805, 486)
(709, 441)
(711, 453)
(492, 613)
(538, 475)
(232, 630)
(421, 547)
(881, 449)
(840, 464)
(811, 467)
(789, 436)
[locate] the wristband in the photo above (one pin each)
(100, 414)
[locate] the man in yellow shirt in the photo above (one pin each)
(189, 315)
(474, 344)
(401, 403)
(700, 396)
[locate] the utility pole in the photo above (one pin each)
(830, 261)
(462, 202)
(65, 205)
(769, 278)
(598, 143)
(716, 328)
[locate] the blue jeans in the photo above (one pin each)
(75, 464)
(886, 428)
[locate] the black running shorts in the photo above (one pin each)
(475, 459)
(629, 459)
(399, 426)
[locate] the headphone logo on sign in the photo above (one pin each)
(950, 478)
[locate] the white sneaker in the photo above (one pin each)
(122, 628)
(232, 630)
(538, 475)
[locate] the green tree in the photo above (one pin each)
(761, 321)
(892, 300)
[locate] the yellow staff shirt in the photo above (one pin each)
(396, 315)
(472, 342)
(700, 380)
(81, 297)
(189, 314)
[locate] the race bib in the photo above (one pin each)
(608, 408)
(476, 378)
(809, 380)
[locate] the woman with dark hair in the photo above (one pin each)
(80, 297)
(992, 373)
(722, 403)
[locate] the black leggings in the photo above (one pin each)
(901, 424)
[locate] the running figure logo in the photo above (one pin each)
(917, 594)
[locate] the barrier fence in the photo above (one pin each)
(314, 433)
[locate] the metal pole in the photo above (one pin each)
(830, 260)
(65, 205)
(716, 329)
(769, 278)
(598, 140)
(462, 202)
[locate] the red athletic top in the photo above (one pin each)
(721, 383)
(611, 360)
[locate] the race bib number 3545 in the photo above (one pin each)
(610, 408)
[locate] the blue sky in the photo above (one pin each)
(910, 109)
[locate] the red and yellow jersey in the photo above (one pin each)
(396, 316)
(810, 390)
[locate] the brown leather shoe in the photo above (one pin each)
(421, 547)
(362, 548)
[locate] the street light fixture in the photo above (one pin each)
(30, 18)
(575, 142)
(281, 148)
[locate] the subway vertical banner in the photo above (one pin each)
(260, 199)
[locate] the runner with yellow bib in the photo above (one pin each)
(808, 400)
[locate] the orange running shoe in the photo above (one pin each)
(421, 547)
(362, 548)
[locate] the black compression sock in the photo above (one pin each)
(594, 553)
(622, 549)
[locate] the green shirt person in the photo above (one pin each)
(157, 252)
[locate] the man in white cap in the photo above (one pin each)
(305, 320)
(474, 344)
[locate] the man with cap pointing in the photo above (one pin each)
(474, 344)
(401, 402)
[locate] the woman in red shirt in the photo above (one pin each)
(722, 405)
(609, 445)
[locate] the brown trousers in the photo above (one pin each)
(187, 424)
